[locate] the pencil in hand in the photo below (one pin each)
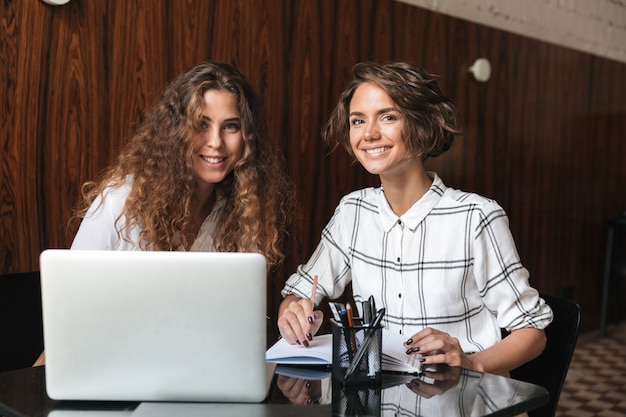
(314, 290)
(310, 319)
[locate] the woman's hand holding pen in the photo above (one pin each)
(297, 321)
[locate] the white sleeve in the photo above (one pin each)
(499, 271)
(98, 230)
(329, 261)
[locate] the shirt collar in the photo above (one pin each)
(418, 212)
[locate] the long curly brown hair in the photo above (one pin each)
(159, 158)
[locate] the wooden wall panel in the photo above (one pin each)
(8, 142)
(543, 137)
(73, 136)
(22, 213)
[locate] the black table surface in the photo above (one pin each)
(449, 392)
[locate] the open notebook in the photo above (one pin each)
(154, 326)
(320, 352)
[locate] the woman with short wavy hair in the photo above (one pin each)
(441, 262)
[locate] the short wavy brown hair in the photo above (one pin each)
(159, 157)
(431, 119)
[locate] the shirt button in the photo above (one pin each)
(400, 295)
(398, 259)
(400, 222)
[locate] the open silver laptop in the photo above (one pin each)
(154, 326)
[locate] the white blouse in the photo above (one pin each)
(449, 263)
(98, 230)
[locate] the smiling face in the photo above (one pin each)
(219, 146)
(377, 131)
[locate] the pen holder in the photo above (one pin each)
(357, 354)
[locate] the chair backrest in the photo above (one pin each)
(550, 368)
(21, 329)
(618, 246)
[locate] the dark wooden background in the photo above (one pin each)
(544, 137)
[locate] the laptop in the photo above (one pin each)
(154, 326)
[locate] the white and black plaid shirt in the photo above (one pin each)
(449, 263)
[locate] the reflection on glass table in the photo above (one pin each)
(438, 391)
(303, 392)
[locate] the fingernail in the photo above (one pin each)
(305, 343)
(309, 336)
(309, 401)
(310, 319)
(308, 384)
(422, 359)
(408, 342)
(297, 341)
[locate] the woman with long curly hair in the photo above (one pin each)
(200, 173)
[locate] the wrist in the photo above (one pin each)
(471, 361)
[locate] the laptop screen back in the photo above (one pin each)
(154, 326)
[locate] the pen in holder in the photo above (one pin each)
(357, 353)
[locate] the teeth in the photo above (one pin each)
(213, 160)
(377, 150)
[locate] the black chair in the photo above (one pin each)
(21, 325)
(550, 368)
(614, 266)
